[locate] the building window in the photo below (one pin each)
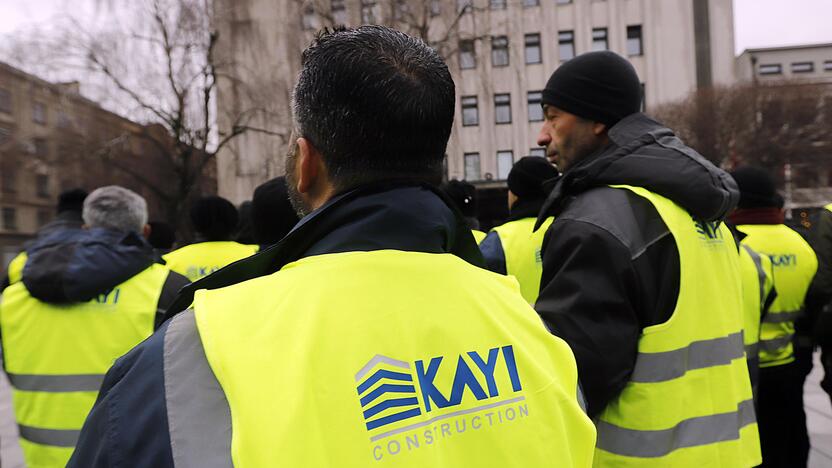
(502, 108)
(44, 217)
(539, 152)
(10, 219)
(497, 4)
(599, 39)
(41, 148)
(39, 113)
(770, 69)
(309, 19)
(564, 2)
(339, 11)
(531, 3)
(470, 111)
(505, 159)
(635, 47)
(566, 45)
(499, 51)
(5, 135)
(535, 106)
(63, 120)
(9, 180)
(467, 55)
(42, 185)
(5, 101)
(533, 54)
(803, 67)
(368, 11)
(472, 166)
(827, 65)
(464, 5)
(435, 7)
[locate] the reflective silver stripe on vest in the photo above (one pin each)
(669, 365)
(54, 437)
(776, 344)
(692, 432)
(761, 273)
(752, 350)
(56, 383)
(198, 413)
(781, 317)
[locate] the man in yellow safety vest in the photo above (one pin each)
(370, 335)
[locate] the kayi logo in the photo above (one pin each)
(409, 406)
(708, 231)
(785, 260)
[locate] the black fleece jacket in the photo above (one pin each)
(610, 264)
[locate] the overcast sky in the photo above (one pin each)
(759, 23)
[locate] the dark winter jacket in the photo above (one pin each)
(128, 425)
(610, 264)
(71, 266)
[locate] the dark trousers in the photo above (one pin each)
(784, 438)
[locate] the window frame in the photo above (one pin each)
(500, 50)
(632, 37)
(530, 41)
(473, 52)
(473, 103)
(595, 39)
(562, 42)
(498, 103)
(769, 69)
(465, 174)
(504, 153)
(536, 103)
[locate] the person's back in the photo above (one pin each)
(369, 335)
(641, 276)
(514, 247)
(214, 219)
(758, 293)
(86, 297)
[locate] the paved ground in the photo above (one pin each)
(818, 413)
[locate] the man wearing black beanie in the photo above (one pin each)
(514, 247)
(641, 276)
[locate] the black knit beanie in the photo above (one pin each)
(272, 215)
(757, 188)
(599, 86)
(464, 196)
(528, 175)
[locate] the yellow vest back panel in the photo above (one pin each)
(15, 271)
(197, 260)
(794, 264)
(57, 355)
(757, 282)
(521, 247)
(391, 358)
(689, 400)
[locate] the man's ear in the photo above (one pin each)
(146, 231)
(309, 165)
(599, 129)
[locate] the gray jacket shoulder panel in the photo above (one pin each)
(629, 218)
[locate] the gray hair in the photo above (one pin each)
(114, 207)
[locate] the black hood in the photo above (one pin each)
(643, 153)
(77, 265)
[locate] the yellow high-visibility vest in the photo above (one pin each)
(757, 283)
(56, 357)
(688, 402)
(521, 247)
(15, 270)
(478, 235)
(408, 360)
(794, 264)
(197, 260)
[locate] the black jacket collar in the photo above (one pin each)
(416, 218)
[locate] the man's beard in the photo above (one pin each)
(295, 198)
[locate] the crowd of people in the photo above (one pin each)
(640, 307)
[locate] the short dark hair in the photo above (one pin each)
(272, 215)
(214, 218)
(72, 200)
(162, 235)
(377, 103)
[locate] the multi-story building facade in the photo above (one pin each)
(802, 63)
(500, 52)
(52, 139)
